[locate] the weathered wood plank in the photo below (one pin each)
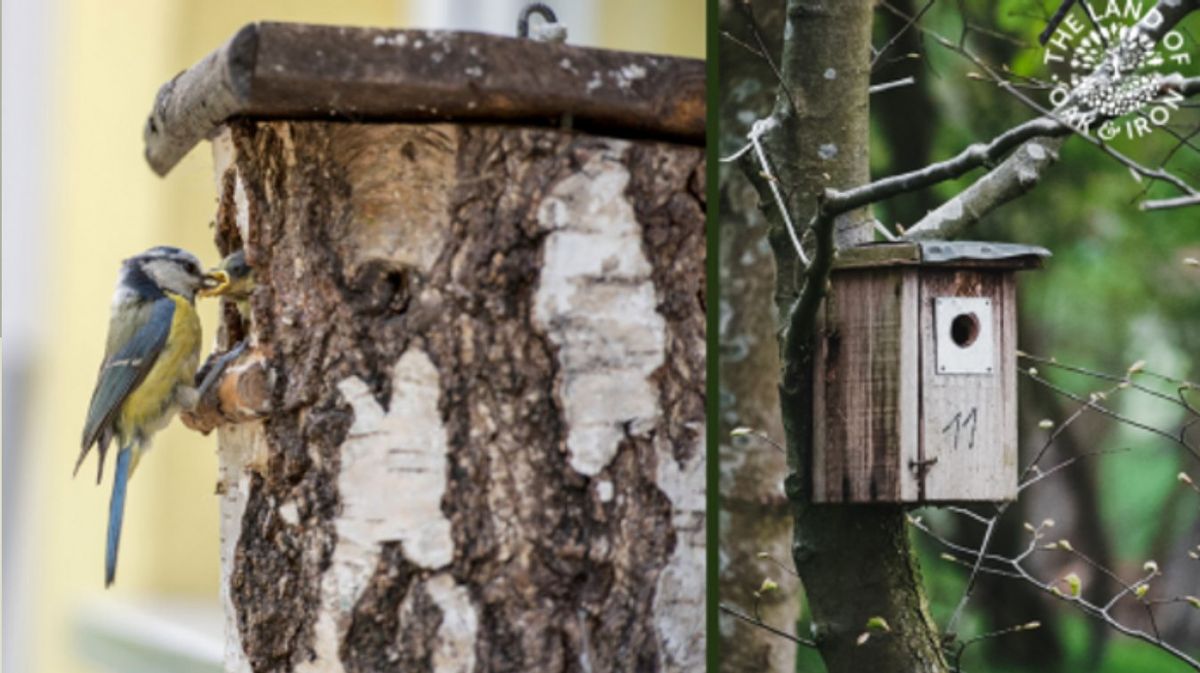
(953, 254)
(877, 255)
(968, 421)
(858, 397)
(299, 71)
(910, 388)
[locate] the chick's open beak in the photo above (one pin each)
(215, 284)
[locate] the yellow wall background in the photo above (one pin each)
(105, 204)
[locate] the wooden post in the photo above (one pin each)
(484, 349)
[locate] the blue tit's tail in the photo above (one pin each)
(116, 511)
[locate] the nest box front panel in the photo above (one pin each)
(968, 448)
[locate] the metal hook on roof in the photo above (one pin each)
(549, 30)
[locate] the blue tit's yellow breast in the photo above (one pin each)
(152, 403)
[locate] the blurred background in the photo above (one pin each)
(1118, 290)
(78, 80)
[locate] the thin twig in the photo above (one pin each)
(894, 84)
(1105, 411)
(779, 564)
(962, 648)
(1091, 609)
(738, 614)
(900, 33)
(747, 11)
(1058, 17)
(969, 514)
(736, 155)
(1042, 474)
(756, 131)
(744, 45)
(970, 588)
(1177, 202)
(1125, 381)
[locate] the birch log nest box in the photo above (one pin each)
(915, 381)
(478, 337)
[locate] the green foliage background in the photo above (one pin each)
(1116, 291)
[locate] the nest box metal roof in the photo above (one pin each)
(300, 71)
(965, 254)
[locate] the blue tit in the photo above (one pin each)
(148, 369)
(235, 278)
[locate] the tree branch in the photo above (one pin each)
(974, 156)
(1023, 169)
(802, 319)
(1012, 178)
(1169, 13)
(1177, 202)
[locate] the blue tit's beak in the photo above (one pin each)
(214, 284)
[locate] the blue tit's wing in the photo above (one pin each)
(137, 334)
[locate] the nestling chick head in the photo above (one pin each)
(234, 278)
(169, 269)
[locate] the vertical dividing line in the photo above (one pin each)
(920, 384)
(712, 347)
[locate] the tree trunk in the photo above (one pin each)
(755, 517)
(856, 562)
(485, 447)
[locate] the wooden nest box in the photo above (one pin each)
(477, 260)
(915, 394)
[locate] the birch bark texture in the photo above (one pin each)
(485, 450)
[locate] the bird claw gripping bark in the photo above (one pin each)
(233, 387)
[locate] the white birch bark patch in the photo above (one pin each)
(679, 594)
(243, 450)
(392, 478)
(454, 651)
(595, 300)
(223, 155)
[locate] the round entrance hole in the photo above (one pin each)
(964, 329)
